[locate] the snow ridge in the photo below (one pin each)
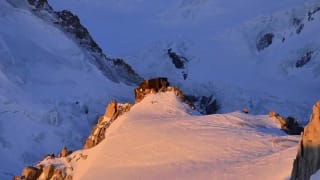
(114, 69)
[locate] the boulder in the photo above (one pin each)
(289, 125)
(245, 110)
(307, 161)
(111, 109)
(264, 41)
(30, 173)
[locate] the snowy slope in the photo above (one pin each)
(219, 38)
(159, 139)
(50, 93)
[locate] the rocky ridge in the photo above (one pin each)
(115, 69)
(308, 157)
(288, 125)
(113, 111)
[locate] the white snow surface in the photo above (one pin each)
(159, 138)
(50, 94)
(219, 39)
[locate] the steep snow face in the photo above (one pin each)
(159, 139)
(50, 93)
(254, 53)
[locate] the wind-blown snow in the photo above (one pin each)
(159, 139)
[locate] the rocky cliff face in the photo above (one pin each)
(307, 161)
(114, 69)
(113, 111)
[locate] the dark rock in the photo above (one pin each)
(40, 4)
(312, 13)
(71, 23)
(264, 41)
(292, 127)
(297, 23)
(308, 156)
(204, 104)
(179, 62)
(300, 28)
(304, 59)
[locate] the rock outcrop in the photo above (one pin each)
(49, 172)
(306, 58)
(204, 104)
(180, 62)
(298, 24)
(264, 41)
(51, 168)
(64, 152)
(113, 111)
(114, 69)
(288, 125)
(307, 161)
(30, 173)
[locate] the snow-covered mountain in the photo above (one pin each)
(51, 92)
(54, 82)
(159, 138)
(258, 54)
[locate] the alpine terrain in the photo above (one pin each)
(197, 89)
